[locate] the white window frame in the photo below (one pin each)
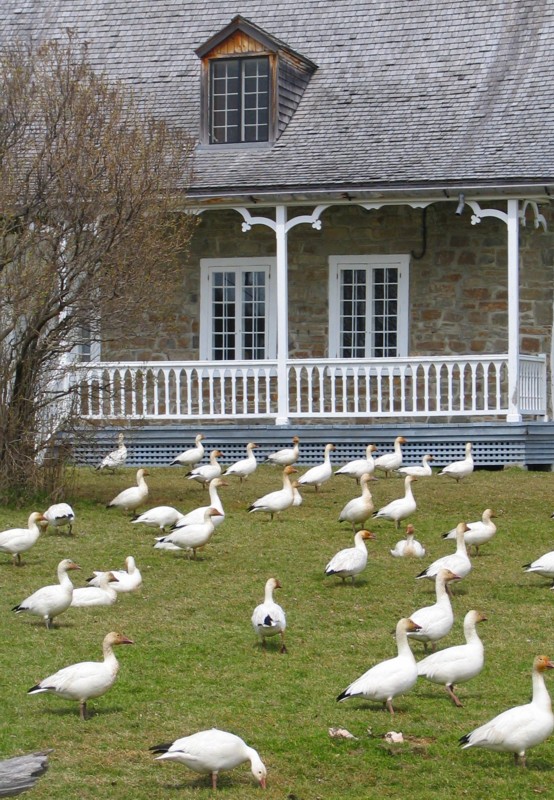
(238, 265)
(369, 263)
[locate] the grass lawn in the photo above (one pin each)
(196, 662)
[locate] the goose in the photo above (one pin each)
(479, 532)
(316, 476)
(161, 517)
(389, 462)
(268, 618)
(459, 469)
(360, 466)
(456, 664)
(116, 458)
(297, 497)
(544, 565)
(519, 728)
(246, 466)
(278, 501)
(402, 507)
(103, 594)
(422, 470)
(408, 547)
(126, 580)
(351, 561)
(457, 562)
(435, 621)
(389, 678)
(87, 679)
(287, 456)
(207, 472)
(191, 537)
(191, 457)
(196, 516)
(211, 752)
(60, 515)
(17, 540)
(49, 601)
(359, 508)
(131, 498)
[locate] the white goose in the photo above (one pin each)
(60, 515)
(544, 565)
(351, 561)
(191, 537)
(479, 532)
(435, 621)
(246, 466)
(457, 562)
(207, 472)
(422, 470)
(50, 601)
(357, 510)
(278, 501)
(196, 516)
(389, 462)
(161, 517)
(17, 540)
(460, 469)
(297, 497)
(360, 466)
(456, 664)
(211, 752)
(116, 458)
(287, 456)
(389, 678)
(268, 619)
(519, 728)
(408, 547)
(316, 476)
(402, 507)
(87, 679)
(127, 580)
(191, 457)
(131, 498)
(103, 594)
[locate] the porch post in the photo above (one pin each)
(282, 315)
(514, 414)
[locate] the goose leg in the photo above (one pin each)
(450, 689)
(389, 706)
(283, 645)
(83, 710)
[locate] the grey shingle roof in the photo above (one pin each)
(408, 93)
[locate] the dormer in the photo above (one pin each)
(252, 84)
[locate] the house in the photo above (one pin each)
(374, 251)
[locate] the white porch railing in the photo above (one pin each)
(453, 386)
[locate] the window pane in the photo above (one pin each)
(238, 314)
(353, 313)
(239, 100)
(385, 312)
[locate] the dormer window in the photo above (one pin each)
(239, 100)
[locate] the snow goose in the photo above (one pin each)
(408, 547)
(422, 470)
(191, 457)
(544, 565)
(49, 601)
(435, 621)
(191, 537)
(357, 510)
(207, 472)
(457, 562)
(389, 678)
(17, 540)
(287, 456)
(297, 497)
(87, 679)
(316, 476)
(519, 728)
(196, 516)
(389, 462)
(350, 562)
(60, 515)
(278, 501)
(131, 498)
(127, 580)
(161, 517)
(456, 664)
(479, 532)
(460, 469)
(211, 752)
(268, 619)
(116, 458)
(246, 466)
(402, 507)
(360, 466)
(104, 594)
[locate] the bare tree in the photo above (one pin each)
(90, 188)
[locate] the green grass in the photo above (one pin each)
(196, 662)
